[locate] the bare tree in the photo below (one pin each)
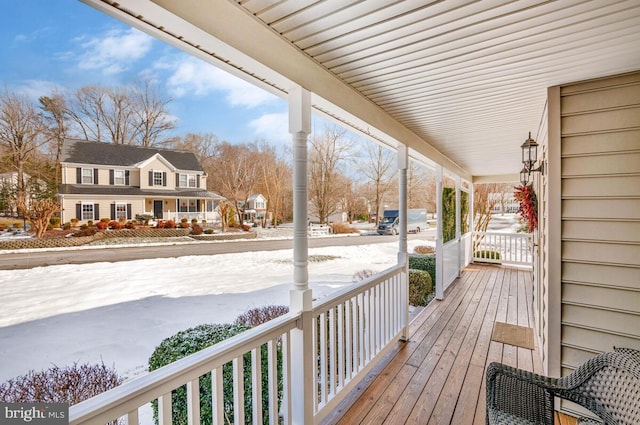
(421, 188)
(355, 200)
(124, 116)
(328, 150)
(225, 209)
(150, 113)
(86, 109)
(503, 195)
(39, 212)
(235, 173)
(21, 133)
(378, 168)
(484, 201)
(203, 145)
(274, 179)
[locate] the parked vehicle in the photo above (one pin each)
(416, 221)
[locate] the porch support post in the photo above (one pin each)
(301, 402)
(459, 224)
(439, 237)
(403, 160)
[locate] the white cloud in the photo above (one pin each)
(191, 76)
(114, 51)
(272, 127)
(36, 88)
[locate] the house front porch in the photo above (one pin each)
(437, 377)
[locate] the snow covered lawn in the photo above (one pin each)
(119, 312)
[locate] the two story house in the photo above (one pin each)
(121, 181)
(255, 209)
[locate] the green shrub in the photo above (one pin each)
(71, 384)
(420, 287)
(195, 339)
(486, 254)
(426, 262)
(208, 232)
(55, 222)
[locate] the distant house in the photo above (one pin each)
(255, 209)
(8, 190)
(121, 182)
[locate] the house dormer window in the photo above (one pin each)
(157, 178)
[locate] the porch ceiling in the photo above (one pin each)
(459, 81)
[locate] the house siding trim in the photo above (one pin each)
(554, 240)
(595, 169)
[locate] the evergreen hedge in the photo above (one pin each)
(200, 337)
(420, 287)
(426, 262)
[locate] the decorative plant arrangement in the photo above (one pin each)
(526, 197)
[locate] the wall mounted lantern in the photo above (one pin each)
(529, 158)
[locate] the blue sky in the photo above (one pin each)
(65, 44)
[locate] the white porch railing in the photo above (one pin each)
(352, 331)
(504, 248)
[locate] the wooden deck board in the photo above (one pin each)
(438, 376)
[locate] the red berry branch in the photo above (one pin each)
(528, 209)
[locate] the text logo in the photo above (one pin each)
(34, 413)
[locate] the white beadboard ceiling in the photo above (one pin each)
(459, 81)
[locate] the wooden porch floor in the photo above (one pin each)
(438, 376)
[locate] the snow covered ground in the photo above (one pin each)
(118, 313)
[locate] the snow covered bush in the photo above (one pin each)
(259, 315)
(198, 338)
(420, 287)
(424, 249)
(362, 275)
(71, 384)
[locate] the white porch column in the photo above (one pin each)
(439, 237)
(459, 225)
(302, 395)
(403, 160)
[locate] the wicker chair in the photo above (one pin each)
(607, 385)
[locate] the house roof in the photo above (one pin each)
(84, 152)
(79, 189)
(459, 82)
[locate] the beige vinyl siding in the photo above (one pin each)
(600, 237)
(70, 201)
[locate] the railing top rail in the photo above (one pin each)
(516, 235)
(139, 391)
(348, 293)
